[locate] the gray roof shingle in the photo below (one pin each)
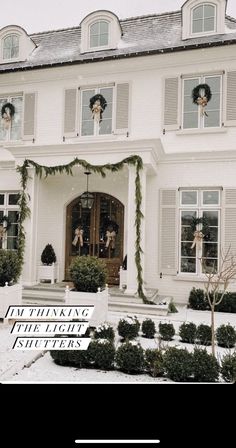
(141, 36)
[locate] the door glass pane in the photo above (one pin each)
(188, 253)
(13, 199)
(80, 230)
(110, 228)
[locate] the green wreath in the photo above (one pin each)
(11, 108)
(7, 220)
(205, 226)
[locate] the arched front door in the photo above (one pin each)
(97, 231)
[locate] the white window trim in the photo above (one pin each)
(201, 127)
(199, 208)
(189, 5)
(96, 134)
(203, 33)
(101, 47)
(17, 58)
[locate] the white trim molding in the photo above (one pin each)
(190, 5)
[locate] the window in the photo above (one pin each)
(11, 47)
(14, 130)
(9, 209)
(204, 19)
(203, 205)
(89, 126)
(193, 118)
(99, 34)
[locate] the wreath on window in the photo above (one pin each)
(201, 95)
(5, 223)
(7, 113)
(200, 234)
(97, 105)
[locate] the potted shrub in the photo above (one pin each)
(89, 277)
(10, 290)
(49, 268)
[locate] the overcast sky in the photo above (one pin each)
(41, 15)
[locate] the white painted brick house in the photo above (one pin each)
(146, 69)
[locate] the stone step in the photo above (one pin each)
(139, 308)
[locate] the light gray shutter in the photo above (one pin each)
(230, 220)
(29, 116)
(70, 112)
(230, 112)
(168, 232)
(171, 104)
(122, 108)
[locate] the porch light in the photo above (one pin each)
(87, 198)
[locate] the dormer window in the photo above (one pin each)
(99, 34)
(11, 47)
(204, 19)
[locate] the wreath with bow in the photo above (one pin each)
(5, 223)
(97, 105)
(200, 234)
(7, 113)
(201, 96)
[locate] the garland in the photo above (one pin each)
(46, 171)
(200, 98)
(7, 220)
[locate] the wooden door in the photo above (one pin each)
(97, 231)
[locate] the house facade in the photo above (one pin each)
(162, 87)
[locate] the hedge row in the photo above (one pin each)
(199, 301)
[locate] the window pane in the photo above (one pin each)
(189, 85)
(210, 197)
(104, 27)
(198, 26)
(86, 113)
(209, 11)
(13, 216)
(213, 120)
(107, 112)
(13, 199)
(189, 105)
(3, 131)
(210, 250)
(214, 82)
(186, 250)
(188, 265)
(12, 243)
(213, 235)
(94, 41)
(94, 29)
(105, 127)
(187, 217)
(198, 13)
(189, 197)
(16, 124)
(13, 230)
(87, 94)
(108, 94)
(209, 24)
(2, 197)
(212, 217)
(210, 265)
(186, 233)
(87, 128)
(103, 39)
(191, 120)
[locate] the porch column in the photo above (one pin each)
(132, 284)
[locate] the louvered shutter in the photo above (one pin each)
(29, 116)
(171, 104)
(230, 107)
(168, 232)
(70, 112)
(122, 108)
(229, 217)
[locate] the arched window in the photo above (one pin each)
(204, 19)
(11, 47)
(99, 34)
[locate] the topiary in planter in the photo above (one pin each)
(226, 336)
(154, 362)
(104, 331)
(101, 354)
(130, 358)
(10, 267)
(88, 273)
(148, 328)
(205, 367)
(48, 256)
(187, 332)
(178, 364)
(228, 368)
(128, 328)
(166, 331)
(203, 334)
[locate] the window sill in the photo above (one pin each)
(201, 131)
(189, 278)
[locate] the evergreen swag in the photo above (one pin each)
(46, 171)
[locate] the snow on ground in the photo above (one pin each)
(41, 367)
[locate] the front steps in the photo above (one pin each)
(118, 301)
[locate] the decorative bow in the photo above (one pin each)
(78, 237)
(2, 232)
(97, 111)
(7, 118)
(198, 237)
(111, 239)
(202, 102)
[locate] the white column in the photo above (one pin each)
(131, 235)
(143, 180)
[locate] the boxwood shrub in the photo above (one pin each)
(166, 331)
(130, 358)
(10, 267)
(104, 331)
(203, 334)
(154, 362)
(148, 328)
(228, 368)
(128, 328)
(88, 273)
(205, 366)
(178, 364)
(101, 353)
(187, 332)
(226, 336)
(199, 301)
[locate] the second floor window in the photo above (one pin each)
(193, 117)
(204, 19)
(99, 34)
(90, 126)
(12, 130)
(11, 47)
